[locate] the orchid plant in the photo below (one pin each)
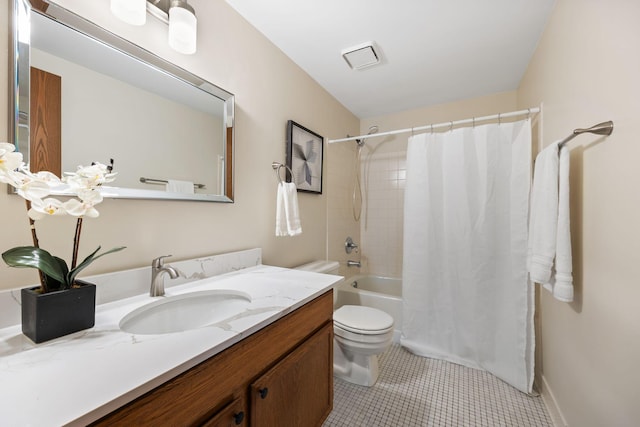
(35, 188)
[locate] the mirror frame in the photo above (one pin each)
(19, 91)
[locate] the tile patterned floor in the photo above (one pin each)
(416, 391)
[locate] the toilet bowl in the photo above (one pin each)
(360, 333)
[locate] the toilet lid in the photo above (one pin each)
(358, 318)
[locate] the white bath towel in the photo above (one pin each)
(287, 214)
(549, 256)
(177, 186)
(562, 280)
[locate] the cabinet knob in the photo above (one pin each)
(237, 418)
(263, 392)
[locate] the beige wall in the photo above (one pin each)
(586, 70)
(384, 171)
(269, 90)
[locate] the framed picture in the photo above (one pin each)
(304, 158)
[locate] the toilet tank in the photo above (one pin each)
(326, 267)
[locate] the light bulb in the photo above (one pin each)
(132, 12)
(182, 27)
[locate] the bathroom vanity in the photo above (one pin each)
(268, 364)
(279, 376)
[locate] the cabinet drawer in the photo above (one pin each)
(232, 415)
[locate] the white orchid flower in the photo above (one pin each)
(77, 207)
(9, 159)
(47, 207)
(90, 196)
(28, 186)
(89, 176)
(47, 177)
(86, 205)
(10, 177)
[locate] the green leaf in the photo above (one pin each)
(88, 260)
(52, 284)
(65, 270)
(32, 257)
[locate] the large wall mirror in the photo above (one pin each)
(82, 94)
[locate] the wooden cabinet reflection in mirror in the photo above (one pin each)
(45, 145)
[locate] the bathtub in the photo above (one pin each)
(384, 293)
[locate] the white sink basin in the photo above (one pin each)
(183, 312)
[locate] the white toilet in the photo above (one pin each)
(360, 334)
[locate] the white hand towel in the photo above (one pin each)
(176, 186)
(287, 214)
(549, 228)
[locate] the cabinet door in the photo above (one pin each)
(232, 415)
(298, 391)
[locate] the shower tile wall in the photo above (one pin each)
(381, 225)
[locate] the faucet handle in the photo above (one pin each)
(159, 262)
(349, 245)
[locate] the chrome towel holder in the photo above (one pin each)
(164, 181)
(276, 167)
(604, 128)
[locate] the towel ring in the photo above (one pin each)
(276, 167)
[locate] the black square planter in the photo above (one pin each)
(55, 314)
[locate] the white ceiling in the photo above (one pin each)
(433, 51)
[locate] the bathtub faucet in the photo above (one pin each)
(351, 263)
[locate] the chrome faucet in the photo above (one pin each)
(157, 279)
(351, 263)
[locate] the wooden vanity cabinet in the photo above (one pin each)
(234, 414)
(282, 375)
(297, 391)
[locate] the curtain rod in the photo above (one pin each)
(451, 124)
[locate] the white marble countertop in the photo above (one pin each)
(77, 379)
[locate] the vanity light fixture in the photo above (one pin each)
(361, 56)
(132, 12)
(182, 27)
(178, 14)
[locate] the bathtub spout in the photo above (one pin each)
(351, 263)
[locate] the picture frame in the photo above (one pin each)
(305, 152)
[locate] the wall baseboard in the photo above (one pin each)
(552, 405)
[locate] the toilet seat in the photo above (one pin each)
(356, 339)
(362, 320)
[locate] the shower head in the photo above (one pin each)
(373, 129)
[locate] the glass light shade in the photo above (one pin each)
(182, 29)
(132, 12)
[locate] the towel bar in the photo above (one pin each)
(163, 181)
(604, 128)
(276, 166)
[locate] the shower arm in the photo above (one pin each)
(604, 128)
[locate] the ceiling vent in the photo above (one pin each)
(361, 56)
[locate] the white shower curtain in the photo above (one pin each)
(465, 286)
